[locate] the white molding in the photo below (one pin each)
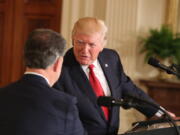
(121, 19)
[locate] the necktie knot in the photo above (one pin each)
(91, 67)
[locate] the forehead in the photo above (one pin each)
(94, 37)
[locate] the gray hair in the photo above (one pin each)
(43, 47)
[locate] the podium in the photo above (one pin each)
(153, 127)
(161, 131)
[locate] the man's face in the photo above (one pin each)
(87, 47)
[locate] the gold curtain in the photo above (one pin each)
(172, 14)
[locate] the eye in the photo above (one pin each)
(92, 44)
(80, 42)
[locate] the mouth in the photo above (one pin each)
(84, 57)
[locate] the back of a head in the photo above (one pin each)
(43, 47)
(89, 25)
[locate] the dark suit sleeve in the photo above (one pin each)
(72, 118)
(129, 88)
(62, 119)
(59, 85)
(73, 124)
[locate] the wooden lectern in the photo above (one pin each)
(167, 94)
(153, 127)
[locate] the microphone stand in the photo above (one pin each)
(173, 69)
(131, 101)
(169, 118)
(176, 69)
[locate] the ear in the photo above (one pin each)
(104, 41)
(58, 64)
(72, 42)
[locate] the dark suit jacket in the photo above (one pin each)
(30, 107)
(74, 81)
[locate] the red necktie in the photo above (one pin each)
(97, 88)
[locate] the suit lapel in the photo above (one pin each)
(105, 65)
(78, 76)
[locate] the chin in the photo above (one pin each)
(84, 63)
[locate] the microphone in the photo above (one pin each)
(132, 101)
(154, 62)
(128, 102)
(105, 101)
(110, 101)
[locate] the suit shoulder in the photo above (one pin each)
(64, 97)
(10, 89)
(69, 58)
(109, 54)
(109, 51)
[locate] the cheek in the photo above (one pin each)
(76, 50)
(94, 53)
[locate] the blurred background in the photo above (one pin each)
(127, 20)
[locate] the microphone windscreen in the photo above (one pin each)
(154, 62)
(105, 101)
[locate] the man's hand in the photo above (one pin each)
(171, 114)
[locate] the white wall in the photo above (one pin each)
(178, 19)
(126, 20)
(151, 14)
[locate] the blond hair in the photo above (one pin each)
(90, 25)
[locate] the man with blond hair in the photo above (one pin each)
(90, 71)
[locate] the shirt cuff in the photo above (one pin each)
(159, 113)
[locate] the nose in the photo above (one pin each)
(85, 48)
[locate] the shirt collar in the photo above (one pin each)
(34, 73)
(85, 67)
